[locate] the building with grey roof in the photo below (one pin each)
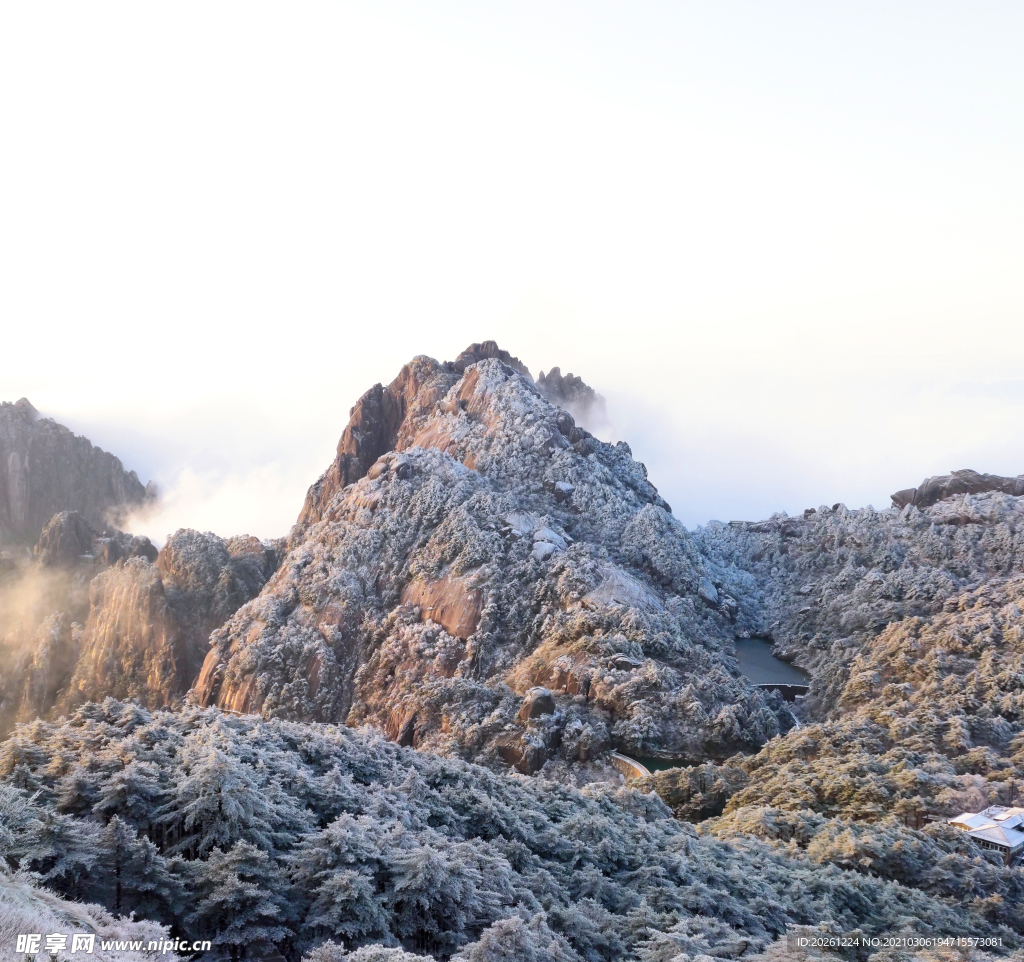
(997, 828)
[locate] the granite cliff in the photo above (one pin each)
(96, 615)
(45, 469)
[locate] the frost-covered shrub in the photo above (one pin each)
(297, 835)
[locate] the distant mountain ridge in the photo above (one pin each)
(45, 468)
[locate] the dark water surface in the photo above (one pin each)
(759, 664)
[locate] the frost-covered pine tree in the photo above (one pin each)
(216, 802)
(237, 905)
(133, 875)
(133, 793)
(518, 940)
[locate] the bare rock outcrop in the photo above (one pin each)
(488, 547)
(485, 350)
(131, 645)
(374, 427)
(207, 579)
(932, 490)
(45, 469)
(48, 667)
(106, 615)
(574, 395)
(149, 625)
(65, 540)
(68, 541)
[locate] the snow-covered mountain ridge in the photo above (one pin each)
(471, 543)
(478, 577)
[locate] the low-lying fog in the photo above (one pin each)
(720, 440)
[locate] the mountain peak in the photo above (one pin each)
(485, 350)
(24, 407)
(45, 469)
(471, 543)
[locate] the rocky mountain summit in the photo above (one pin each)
(45, 469)
(574, 395)
(940, 488)
(478, 575)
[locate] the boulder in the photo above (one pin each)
(563, 491)
(537, 702)
(708, 592)
(542, 550)
(521, 751)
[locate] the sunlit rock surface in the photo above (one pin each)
(469, 543)
(96, 615)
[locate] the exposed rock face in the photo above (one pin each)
(45, 468)
(101, 619)
(207, 580)
(489, 349)
(131, 646)
(374, 426)
(941, 487)
(149, 624)
(575, 396)
(67, 541)
(50, 664)
(492, 547)
(449, 601)
(64, 540)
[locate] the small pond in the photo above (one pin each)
(759, 664)
(762, 668)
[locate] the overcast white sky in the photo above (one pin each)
(785, 240)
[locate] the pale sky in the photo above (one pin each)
(785, 240)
